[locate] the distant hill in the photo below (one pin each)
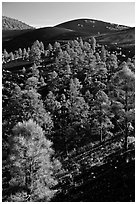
(91, 26)
(105, 33)
(13, 24)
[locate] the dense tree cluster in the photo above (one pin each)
(73, 95)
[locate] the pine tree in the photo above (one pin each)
(16, 54)
(35, 71)
(11, 56)
(20, 52)
(23, 70)
(28, 50)
(56, 45)
(36, 44)
(32, 164)
(78, 111)
(103, 53)
(50, 48)
(101, 72)
(41, 46)
(124, 86)
(111, 64)
(92, 40)
(75, 87)
(24, 53)
(102, 115)
(6, 55)
(35, 52)
(51, 103)
(81, 42)
(31, 83)
(131, 64)
(23, 105)
(68, 71)
(97, 57)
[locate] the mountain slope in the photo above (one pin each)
(91, 26)
(105, 33)
(13, 24)
(46, 35)
(8, 35)
(120, 37)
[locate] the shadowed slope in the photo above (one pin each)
(46, 35)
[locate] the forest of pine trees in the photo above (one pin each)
(72, 96)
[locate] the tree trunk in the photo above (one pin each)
(101, 134)
(126, 134)
(100, 120)
(126, 121)
(66, 149)
(28, 178)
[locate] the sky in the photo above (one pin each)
(42, 14)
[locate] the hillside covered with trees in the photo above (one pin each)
(13, 24)
(68, 123)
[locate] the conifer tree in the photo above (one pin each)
(92, 40)
(103, 53)
(32, 164)
(78, 111)
(16, 54)
(41, 47)
(101, 72)
(111, 64)
(6, 55)
(81, 43)
(31, 83)
(11, 56)
(24, 53)
(35, 52)
(20, 52)
(51, 103)
(97, 57)
(124, 86)
(57, 46)
(28, 50)
(24, 105)
(102, 115)
(68, 71)
(35, 71)
(50, 48)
